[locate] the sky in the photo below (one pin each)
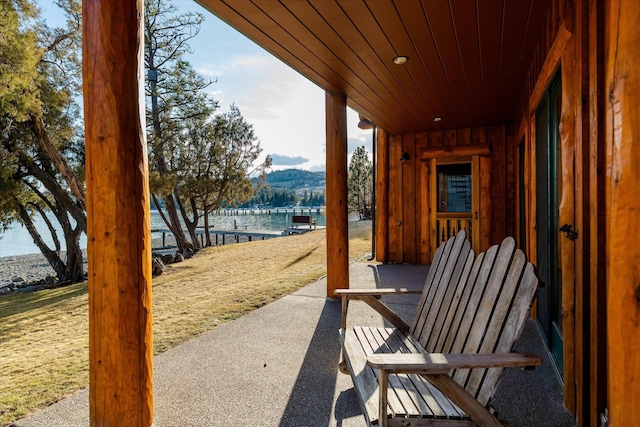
(286, 110)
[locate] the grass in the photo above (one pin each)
(44, 335)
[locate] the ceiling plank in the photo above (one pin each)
(364, 79)
(465, 23)
(468, 59)
(349, 23)
(441, 25)
(410, 76)
(515, 20)
(490, 17)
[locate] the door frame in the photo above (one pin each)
(428, 156)
(550, 181)
(472, 217)
(567, 204)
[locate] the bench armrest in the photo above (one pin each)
(442, 363)
(372, 298)
(434, 368)
(376, 292)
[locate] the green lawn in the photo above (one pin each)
(44, 335)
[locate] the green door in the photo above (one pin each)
(548, 195)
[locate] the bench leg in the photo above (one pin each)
(458, 395)
(383, 387)
(342, 365)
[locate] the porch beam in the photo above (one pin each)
(455, 151)
(336, 197)
(119, 236)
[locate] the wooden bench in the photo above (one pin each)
(297, 220)
(444, 367)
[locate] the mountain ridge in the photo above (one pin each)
(295, 179)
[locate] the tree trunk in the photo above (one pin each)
(172, 221)
(39, 130)
(208, 242)
(52, 257)
(52, 230)
(191, 224)
(61, 196)
(75, 261)
(74, 266)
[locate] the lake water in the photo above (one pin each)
(18, 241)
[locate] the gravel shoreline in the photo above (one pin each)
(24, 270)
(30, 272)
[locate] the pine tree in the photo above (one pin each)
(198, 162)
(218, 166)
(174, 93)
(41, 147)
(360, 183)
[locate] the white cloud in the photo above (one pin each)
(283, 160)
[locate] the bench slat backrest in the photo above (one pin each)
(446, 267)
(475, 305)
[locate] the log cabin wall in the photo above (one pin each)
(403, 231)
(572, 45)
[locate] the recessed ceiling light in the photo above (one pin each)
(437, 119)
(399, 60)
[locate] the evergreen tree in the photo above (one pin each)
(41, 147)
(198, 162)
(174, 93)
(360, 183)
(218, 166)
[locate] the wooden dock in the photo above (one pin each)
(221, 236)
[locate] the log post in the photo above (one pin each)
(119, 229)
(382, 195)
(336, 200)
(622, 140)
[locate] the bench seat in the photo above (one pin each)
(410, 395)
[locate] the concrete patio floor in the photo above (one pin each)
(278, 366)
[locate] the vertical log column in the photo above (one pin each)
(119, 239)
(382, 195)
(622, 128)
(594, 216)
(337, 211)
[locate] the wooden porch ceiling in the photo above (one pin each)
(467, 64)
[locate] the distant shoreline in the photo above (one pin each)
(29, 269)
(34, 267)
(16, 240)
